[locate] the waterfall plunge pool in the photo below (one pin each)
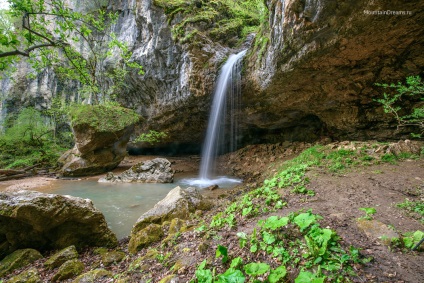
(123, 203)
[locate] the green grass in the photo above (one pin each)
(413, 206)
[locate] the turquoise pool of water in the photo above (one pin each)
(121, 204)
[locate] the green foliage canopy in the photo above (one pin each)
(29, 140)
(78, 45)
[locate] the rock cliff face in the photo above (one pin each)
(173, 94)
(312, 76)
(317, 74)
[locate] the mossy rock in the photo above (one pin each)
(203, 247)
(169, 279)
(109, 258)
(177, 225)
(100, 251)
(18, 259)
(28, 276)
(93, 276)
(178, 203)
(144, 237)
(69, 269)
(179, 264)
(61, 257)
(103, 118)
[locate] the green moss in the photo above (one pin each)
(18, 259)
(61, 257)
(93, 276)
(103, 118)
(28, 276)
(222, 19)
(150, 234)
(68, 270)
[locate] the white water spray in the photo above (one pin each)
(229, 76)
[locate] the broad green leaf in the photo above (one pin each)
(304, 220)
(256, 268)
(274, 222)
(277, 274)
(204, 276)
(268, 238)
(231, 276)
(308, 277)
(236, 262)
(222, 251)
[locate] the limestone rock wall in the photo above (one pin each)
(314, 77)
(317, 74)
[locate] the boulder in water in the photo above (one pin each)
(157, 170)
(179, 203)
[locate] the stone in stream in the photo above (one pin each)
(178, 203)
(157, 170)
(31, 219)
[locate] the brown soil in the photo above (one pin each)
(338, 199)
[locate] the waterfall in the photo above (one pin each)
(227, 92)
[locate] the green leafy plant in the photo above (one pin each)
(108, 117)
(77, 45)
(392, 102)
(29, 140)
(226, 18)
(369, 212)
(412, 239)
(414, 207)
(151, 137)
(309, 277)
(222, 251)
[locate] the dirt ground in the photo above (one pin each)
(338, 199)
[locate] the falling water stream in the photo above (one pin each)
(227, 89)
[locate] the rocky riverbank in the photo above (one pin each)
(341, 181)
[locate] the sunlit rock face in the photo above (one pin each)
(174, 92)
(313, 78)
(316, 77)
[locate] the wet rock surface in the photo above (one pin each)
(157, 170)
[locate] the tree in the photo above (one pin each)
(392, 103)
(77, 45)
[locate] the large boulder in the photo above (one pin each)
(178, 203)
(101, 135)
(31, 219)
(157, 170)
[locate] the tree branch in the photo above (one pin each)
(27, 51)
